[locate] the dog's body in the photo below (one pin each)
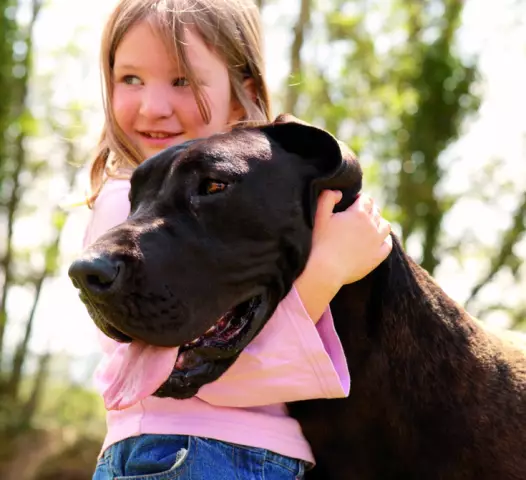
(433, 395)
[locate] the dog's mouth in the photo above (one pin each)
(207, 357)
(220, 339)
(107, 328)
(225, 335)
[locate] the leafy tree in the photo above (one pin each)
(25, 172)
(18, 127)
(8, 28)
(387, 78)
(407, 100)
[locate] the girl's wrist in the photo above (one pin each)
(316, 287)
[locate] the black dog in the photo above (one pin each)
(220, 228)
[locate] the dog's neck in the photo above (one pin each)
(398, 311)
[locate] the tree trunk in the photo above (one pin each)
(18, 94)
(52, 258)
(505, 255)
(295, 76)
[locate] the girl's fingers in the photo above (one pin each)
(372, 210)
(326, 203)
(384, 228)
(385, 248)
(367, 203)
(377, 218)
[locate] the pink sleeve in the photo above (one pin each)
(291, 359)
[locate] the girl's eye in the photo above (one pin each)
(211, 187)
(181, 82)
(131, 80)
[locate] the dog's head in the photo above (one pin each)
(218, 231)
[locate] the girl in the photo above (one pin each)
(175, 70)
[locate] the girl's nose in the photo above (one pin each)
(156, 103)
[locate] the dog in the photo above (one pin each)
(434, 395)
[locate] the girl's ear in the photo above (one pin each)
(237, 110)
(250, 88)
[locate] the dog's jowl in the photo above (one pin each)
(434, 396)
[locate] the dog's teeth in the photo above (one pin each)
(211, 330)
(193, 342)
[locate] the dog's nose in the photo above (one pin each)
(97, 275)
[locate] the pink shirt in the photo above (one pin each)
(291, 359)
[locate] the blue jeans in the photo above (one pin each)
(183, 457)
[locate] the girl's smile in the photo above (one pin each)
(158, 140)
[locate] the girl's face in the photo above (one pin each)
(152, 101)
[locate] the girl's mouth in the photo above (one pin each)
(159, 137)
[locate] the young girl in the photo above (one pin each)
(175, 70)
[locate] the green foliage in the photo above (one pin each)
(27, 123)
(443, 102)
(62, 405)
(17, 124)
(387, 78)
(70, 405)
(8, 29)
(11, 415)
(25, 399)
(397, 92)
(74, 462)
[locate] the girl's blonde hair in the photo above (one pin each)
(231, 28)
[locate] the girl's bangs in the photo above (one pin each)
(171, 31)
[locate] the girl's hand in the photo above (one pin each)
(350, 244)
(346, 246)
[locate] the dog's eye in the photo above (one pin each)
(210, 187)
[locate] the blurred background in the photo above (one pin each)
(430, 93)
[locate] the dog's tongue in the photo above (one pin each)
(133, 372)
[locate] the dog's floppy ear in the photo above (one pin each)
(336, 167)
